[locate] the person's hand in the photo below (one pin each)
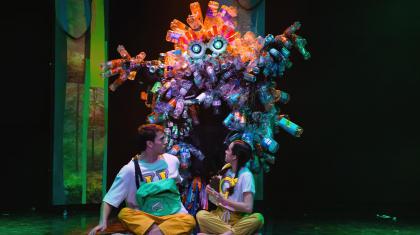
(223, 202)
(211, 191)
(216, 195)
(221, 199)
(98, 228)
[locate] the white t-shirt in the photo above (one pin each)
(245, 184)
(124, 186)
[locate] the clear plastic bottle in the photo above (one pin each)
(123, 52)
(250, 77)
(211, 74)
(212, 10)
(185, 87)
(216, 103)
(228, 120)
(178, 26)
(269, 158)
(172, 36)
(155, 118)
(292, 28)
(300, 43)
(184, 158)
(179, 108)
(194, 115)
(174, 150)
(195, 20)
(270, 144)
(289, 126)
(248, 137)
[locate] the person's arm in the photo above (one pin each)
(116, 194)
(246, 206)
(103, 218)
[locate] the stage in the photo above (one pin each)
(355, 169)
(80, 221)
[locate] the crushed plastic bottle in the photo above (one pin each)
(386, 217)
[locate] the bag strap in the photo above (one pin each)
(137, 173)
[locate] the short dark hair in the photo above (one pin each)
(147, 132)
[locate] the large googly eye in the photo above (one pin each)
(218, 44)
(196, 49)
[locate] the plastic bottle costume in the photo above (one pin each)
(241, 70)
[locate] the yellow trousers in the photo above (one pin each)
(139, 222)
(239, 223)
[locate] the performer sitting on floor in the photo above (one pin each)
(148, 186)
(235, 197)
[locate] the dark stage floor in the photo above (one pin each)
(78, 222)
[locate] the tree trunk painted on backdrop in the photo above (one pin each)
(80, 114)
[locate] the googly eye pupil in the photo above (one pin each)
(218, 44)
(196, 48)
